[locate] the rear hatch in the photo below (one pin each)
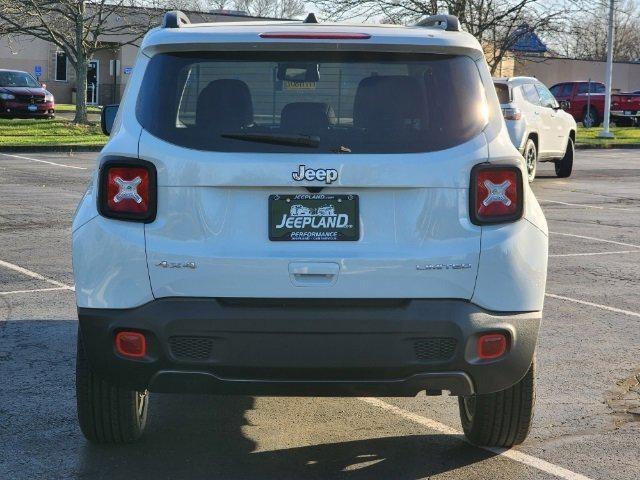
(312, 174)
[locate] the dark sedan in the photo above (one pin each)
(22, 96)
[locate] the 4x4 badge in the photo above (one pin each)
(165, 264)
(327, 175)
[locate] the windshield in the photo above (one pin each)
(345, 102)
(17, 79)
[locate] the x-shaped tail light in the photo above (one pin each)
(496, 194)
(128, 190)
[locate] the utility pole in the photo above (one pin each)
(605, 133)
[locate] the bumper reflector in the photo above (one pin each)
(131, 344)
(492, 345)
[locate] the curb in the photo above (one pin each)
(588, 146)
(51, 148)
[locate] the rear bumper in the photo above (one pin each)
(309, 347)
(626, 113)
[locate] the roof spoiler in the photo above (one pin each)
(175, 19)
(450, 23)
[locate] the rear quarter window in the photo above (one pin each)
(502, 89)
(360, 102)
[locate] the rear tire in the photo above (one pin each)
(564, 166)
(531, 159)
(500, 419)
(107, 413)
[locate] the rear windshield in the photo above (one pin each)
(329, 101)
(502, 89)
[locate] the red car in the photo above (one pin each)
(22, 96)
(586, 103)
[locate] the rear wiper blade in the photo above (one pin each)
(309, 141)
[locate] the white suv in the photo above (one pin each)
(537, 125)
(294, 208)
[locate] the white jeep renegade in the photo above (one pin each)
(296, 208)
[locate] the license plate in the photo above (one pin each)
(32, 108)
(630, 112)
(313, 217)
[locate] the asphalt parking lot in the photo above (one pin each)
(587, 421)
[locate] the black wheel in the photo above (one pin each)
(564, 166)
(531, 159)
(107, 413)
(500, 419)
(591, 118)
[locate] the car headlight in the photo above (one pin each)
(7, 96)
(48, 97)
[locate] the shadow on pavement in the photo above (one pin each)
(201, 438)
(188, 436)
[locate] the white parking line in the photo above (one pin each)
(593, 253)
(43, 161)
(591, 304)
(596, 239)
(514, 455)
(54, 289)
(31, 274)
(585, 205)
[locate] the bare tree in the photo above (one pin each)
(497, 24)
(196, 5)
(257, 8)
(585, 34)
(78, 28)
(272, 8)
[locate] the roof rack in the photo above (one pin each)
(449, 23)
(175, 19)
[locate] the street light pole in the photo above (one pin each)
(605, 133)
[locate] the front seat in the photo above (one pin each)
(224, 106)
(390, 103)
(307, 118)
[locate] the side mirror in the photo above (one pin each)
(565, 104)
(107, 117)
(43, 85)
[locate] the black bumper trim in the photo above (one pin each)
(204, 382)
(320, 347)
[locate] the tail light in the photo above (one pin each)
(496, 194)
(316, 35)
(511, 113)
(127, 190)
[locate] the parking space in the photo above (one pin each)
(588, 406)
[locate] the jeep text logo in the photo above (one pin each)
(327, 175)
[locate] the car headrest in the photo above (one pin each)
(306, 117)
(390, 102)
(224, 105)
